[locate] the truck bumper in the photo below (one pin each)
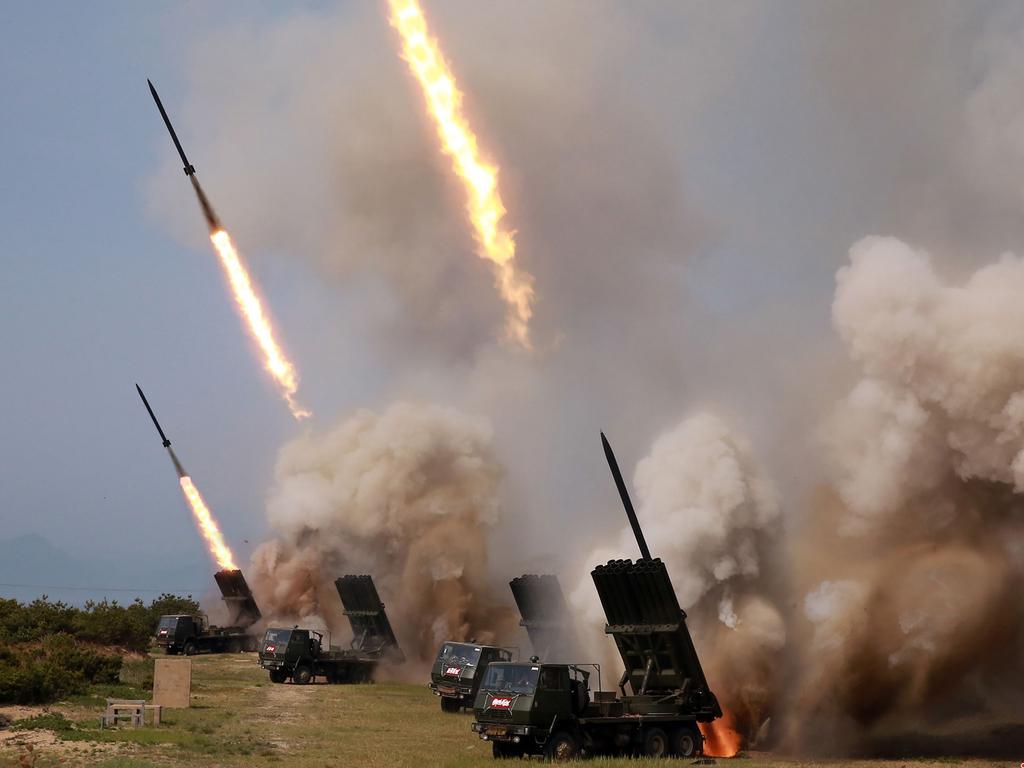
(506, 732)
(448, 691)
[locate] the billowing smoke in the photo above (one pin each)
(710, 513)
(916, 610)
(408, 496)
(630, 142)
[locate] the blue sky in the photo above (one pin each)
(97, 297)
(789, 144)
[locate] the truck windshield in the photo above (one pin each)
(167, 622)
(459, 653)
(513, 678)
(277, 637)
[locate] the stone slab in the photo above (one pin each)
(172, 683)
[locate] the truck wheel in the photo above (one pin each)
(302, 675)
(190, 649)
(561, 746)
(655, 742)
(449, 704)
(278, 675)
(687, 741)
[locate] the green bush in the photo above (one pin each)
(46, 652)
(55, 668)
(105, 622)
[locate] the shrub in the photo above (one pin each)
(56, 668)
(105, 622)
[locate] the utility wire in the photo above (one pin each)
(99, 589)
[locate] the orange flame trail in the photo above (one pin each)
(444, 102)
(274, 359)
(207, 525)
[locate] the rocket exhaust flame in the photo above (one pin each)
(207, 525)
(484, 206)
(721, 739)
(279, 367)
(204, 519)
(274, 359)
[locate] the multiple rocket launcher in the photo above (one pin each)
(643, 617)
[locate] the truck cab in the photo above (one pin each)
(518, 706)
(292, 653)
(458, 670)
(177, 633)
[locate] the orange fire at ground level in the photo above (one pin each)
(207, 525)
(721, 739)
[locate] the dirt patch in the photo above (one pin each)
(47, 743)
(9, 714)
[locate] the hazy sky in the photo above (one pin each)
(797, 129)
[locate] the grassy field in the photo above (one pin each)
(239, 718)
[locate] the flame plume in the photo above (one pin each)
(274, 360)
(444, 102)
(721, 739)
(207, 525)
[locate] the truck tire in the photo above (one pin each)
(686, 741)
(278, 675)
(449, 704)
(656, 742)
(302, 675)
(190, 649)
(561, 746)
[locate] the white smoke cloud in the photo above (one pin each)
(945, 386)
(407, 496)
(925, 452)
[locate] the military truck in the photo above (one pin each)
(458, 670)
(192, 633)
(300, 655)
(549, 709)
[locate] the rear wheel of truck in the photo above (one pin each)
(561, 746)
(449, 704)
(190, 649)
(302, 675)
(686, 741)
(655, 743)
(278, 675)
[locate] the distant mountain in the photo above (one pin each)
(31, 566)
